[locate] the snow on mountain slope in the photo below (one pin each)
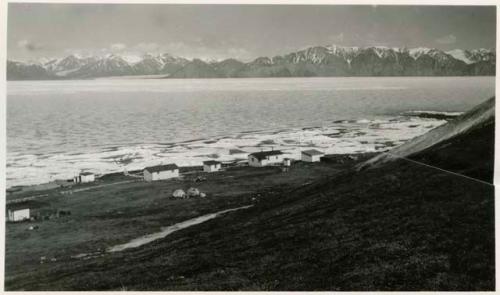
(109, 65)
(347, 53)
(131, 59)
(472, 56)
(419, 51)
(481, 54)
(63, 66)
(382, 51)
(460, 55)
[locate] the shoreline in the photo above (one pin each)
(163, 77)
(135, 212)
(117, 208)
(104, 179)
(353, 136)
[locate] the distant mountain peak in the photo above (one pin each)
(328, 60)
(419, 51)
(263, 60)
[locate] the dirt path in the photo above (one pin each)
(170, 229)
(71, 191)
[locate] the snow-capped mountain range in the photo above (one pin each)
(323, 61)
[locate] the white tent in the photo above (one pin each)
(179, 194)
(193, 192)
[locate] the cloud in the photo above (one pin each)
(206, 52)
(118, 47)
(449, 39)
(236, 52)
(337, 38)
(187, 50)
(151, 46)
(29, 45)
(147, 47)
(190, 50)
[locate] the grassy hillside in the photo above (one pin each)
(400, 226)
(471, 155)
(479, 116)
(118, 208)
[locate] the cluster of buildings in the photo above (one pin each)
(168, 171)
(162, 172)
(276, 157)
(258, 159)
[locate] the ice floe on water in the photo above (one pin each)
(339, 137)
(451, 114)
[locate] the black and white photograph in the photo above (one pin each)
(249, 146)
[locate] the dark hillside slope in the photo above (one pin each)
(478, 117)
(469, 155)
(398, 226)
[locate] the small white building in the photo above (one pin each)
(265, 158)
(161, 172)
(287, 162)
(84, 177)
(211, 166)
(311, 155)
(18, 214)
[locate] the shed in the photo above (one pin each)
(287, 162)
(84, 177)
(211, 166)
(311, 155)
(16, 214)
(22, 210)
(260, 159)
(161, 172)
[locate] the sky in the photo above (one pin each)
(237, 31)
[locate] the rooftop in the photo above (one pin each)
(29, 204)
(263, 155)
(159, 168)
(236, 151)
(86, 173)
(211, 162)
(313, 152)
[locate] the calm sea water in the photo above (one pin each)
(58, 128)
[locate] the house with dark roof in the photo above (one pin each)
(161, 172)
(22, 210)
(260, 159)
(211, 166)
(311, 155)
